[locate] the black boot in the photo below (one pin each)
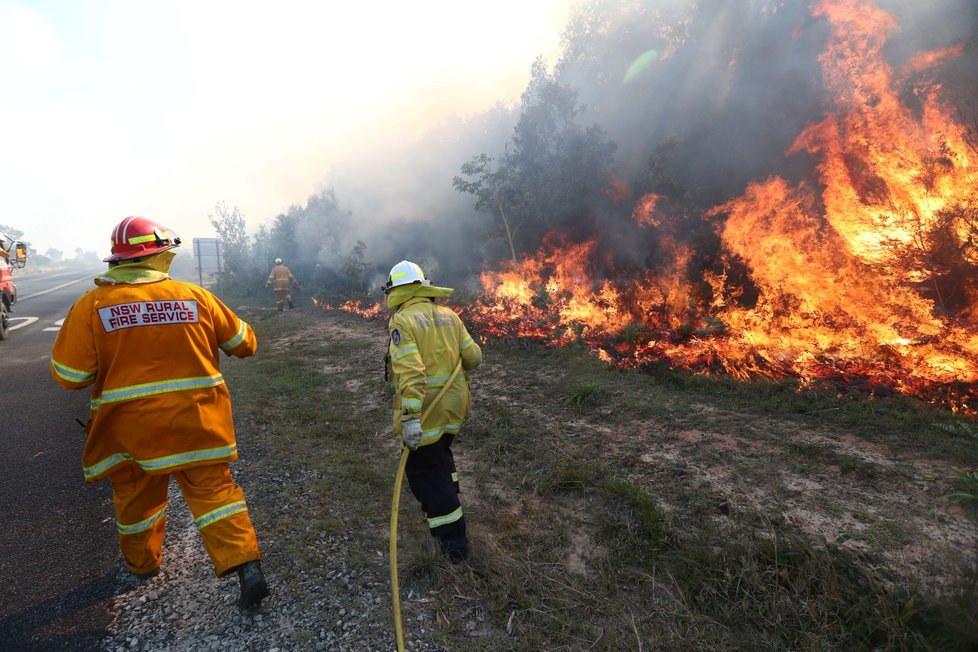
(142, 577)
(253, 585)
(457, 551)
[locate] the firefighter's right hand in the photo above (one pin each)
(411, 433)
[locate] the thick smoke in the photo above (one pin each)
(397, 199)
(695, 98)
(404, 204)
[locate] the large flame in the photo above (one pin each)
(849, 281)
(845, 288)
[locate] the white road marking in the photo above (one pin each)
(57, 325)
(56, 287)
(26, 321)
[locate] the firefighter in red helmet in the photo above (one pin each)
(148, 346)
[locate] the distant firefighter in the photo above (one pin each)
(148, 346)
(282, 281)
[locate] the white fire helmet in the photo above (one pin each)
(405, 273)
(278, 261)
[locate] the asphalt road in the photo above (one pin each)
(58, 546)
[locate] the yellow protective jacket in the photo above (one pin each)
(279, 277)
(426, 342)
(150, 352)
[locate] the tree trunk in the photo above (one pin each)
(509, 233)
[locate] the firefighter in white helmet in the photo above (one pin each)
(281, 280)
(426, 343)
(148, 347)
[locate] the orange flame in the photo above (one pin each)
(838, 286)
(844, 292)
(617, 191)
(855, 281)
(644, 213)
(357, 307)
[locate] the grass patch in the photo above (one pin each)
(497, 431)
(805, 450)
(897, 421)
(631, 522)
(580, 396)
(660, 392)
(807, 453)
(967, 489)
(853, 464)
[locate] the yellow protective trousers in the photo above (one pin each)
(281, 296)
(215, 500)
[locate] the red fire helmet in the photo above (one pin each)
(135, 237)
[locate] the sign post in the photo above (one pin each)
(209, 259)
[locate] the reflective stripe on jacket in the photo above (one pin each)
(279, 277)
(150, 352)
(426, 342)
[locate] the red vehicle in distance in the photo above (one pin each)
(13, 255)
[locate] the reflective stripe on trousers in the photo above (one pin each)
(447, 519)
(143, 525)
(160, 463)
(430, 470)
(216, 502)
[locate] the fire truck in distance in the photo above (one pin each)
(13, 255)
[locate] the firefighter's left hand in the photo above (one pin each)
(411, 433)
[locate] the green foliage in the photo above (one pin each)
(554, 170)
(355, 267)
(305, 237)
(230, 227)
(961, 428)
(497, 430)
(569, 474)
(490, 186)
(632, 332)
(967, 489)
(580, 396)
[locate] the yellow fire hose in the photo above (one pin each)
(395, 505)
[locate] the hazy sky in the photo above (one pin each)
(110, 108)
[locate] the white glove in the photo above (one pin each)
(411, 433)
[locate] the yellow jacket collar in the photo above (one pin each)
(147, 270)
(402, 293)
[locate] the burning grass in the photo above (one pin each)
(921, 368)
